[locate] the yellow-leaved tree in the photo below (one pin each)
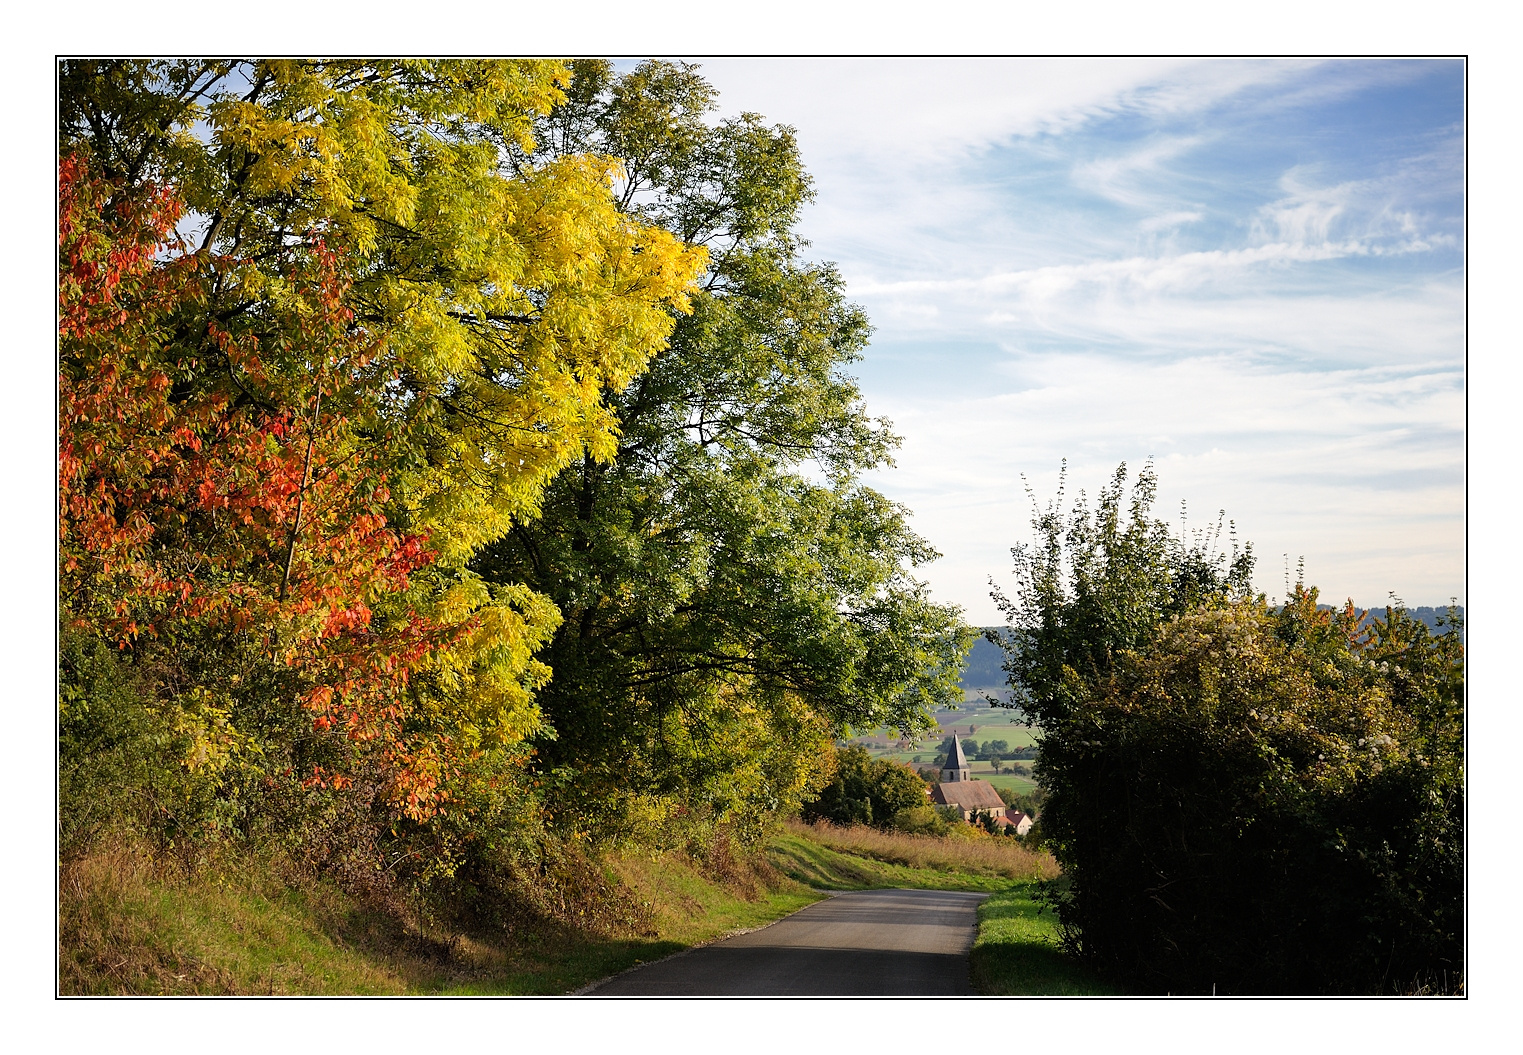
(476, 312)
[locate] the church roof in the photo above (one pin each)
(955, 758)
(967, 795)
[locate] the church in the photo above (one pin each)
(959, 790)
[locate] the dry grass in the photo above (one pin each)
(130, 924)
(980, 855)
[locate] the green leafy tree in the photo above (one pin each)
(868, 791)
(995, 750)
(733, 598)
(1029, 802)
(1243, 799)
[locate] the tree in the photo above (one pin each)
(1029, 803)
(1243, 799)
(733, 597)
(866, 791)
(187, 521)
(1097, 582)
(377, 342)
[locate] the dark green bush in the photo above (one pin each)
(1238, 815)
(1243, 799)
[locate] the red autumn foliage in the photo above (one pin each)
(193, 491)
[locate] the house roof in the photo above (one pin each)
(967, 795)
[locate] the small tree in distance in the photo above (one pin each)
(865, 791)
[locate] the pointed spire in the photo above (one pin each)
(956, 765)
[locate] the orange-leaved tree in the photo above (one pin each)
(188, 508)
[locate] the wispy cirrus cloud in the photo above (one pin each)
(1169, 220)
(1132, 178)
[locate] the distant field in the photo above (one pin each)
(981, 723)
(1021, 785)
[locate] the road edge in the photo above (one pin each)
(587, 990)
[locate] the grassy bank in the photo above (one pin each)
(833, 858)
(130, 924)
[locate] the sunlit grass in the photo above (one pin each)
(129, 924)
(970, 854)
(1017, 952)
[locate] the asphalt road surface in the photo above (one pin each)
(863, 943)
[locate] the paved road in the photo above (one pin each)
(863, 943)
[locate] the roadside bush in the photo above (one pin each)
(1239, 813)
(1243, 799)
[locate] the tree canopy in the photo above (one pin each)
(458, 460)
(732, 595)
(319, 343)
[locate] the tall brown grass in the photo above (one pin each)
(979, 856)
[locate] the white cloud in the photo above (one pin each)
(1359, 471)
(917, 110)
(1250, 300)
(1306, 215)
(1168, 220)
(1120, 177)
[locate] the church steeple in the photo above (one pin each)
(956, 766)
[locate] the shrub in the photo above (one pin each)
(922, 820)
(1239, 813)
(1243, 799)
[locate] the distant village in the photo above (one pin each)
(974, 755)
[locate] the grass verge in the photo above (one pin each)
(1017, 951)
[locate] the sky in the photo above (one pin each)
(1249, 272)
